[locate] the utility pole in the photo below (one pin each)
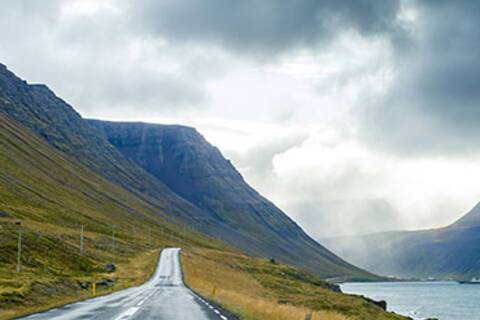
(81, 241)
(19, 252)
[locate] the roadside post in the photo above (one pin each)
(214, 290)
(19, 246)
(81, 241)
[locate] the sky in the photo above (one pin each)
(352, 116)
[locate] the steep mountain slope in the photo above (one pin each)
(53, 195)
(469, 220)
(194, 184)
(182, 159)
(40, 110)
(450, 252)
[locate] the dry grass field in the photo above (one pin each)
(264, 290)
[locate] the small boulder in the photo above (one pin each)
(105, 283)
(110, 267)
(84, 284)
(382, 303)
(3, 214)
(334, 287)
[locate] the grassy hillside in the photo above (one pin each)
(183, 160)
(53, 195)
(264, 290)
(198, 186)
(37, 108)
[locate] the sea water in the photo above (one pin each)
(421, 300)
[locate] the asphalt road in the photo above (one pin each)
(163, 297)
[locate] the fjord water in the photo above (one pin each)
(421, 300)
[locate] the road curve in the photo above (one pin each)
(163, 297)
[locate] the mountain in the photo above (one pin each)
(53, 196)
(471, 219)
(451, 252)
(36, 107)
(171, 172)
(182, 159)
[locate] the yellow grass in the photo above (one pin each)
(238, 291)
(131, 273)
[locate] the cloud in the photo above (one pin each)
(87, 52)
(348, 217)
(266, 27)
(323, 105)
(434, 103)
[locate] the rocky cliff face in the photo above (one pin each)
(182, 159)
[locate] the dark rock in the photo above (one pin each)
(334, 287)
(110, 267)
(84, 284)
(3, 214)
(105, 283)
(382, 303)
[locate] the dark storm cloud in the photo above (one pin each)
(434, 105)
(266, 26)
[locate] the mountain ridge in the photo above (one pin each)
(449, 252)
(181, 158)
(56, 122)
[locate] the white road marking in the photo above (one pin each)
(130, 301)
(127, 314)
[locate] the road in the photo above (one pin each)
(163, 297)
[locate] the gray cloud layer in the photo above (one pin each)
(157, 58)
(434, 105)
(265, 27)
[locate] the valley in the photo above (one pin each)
(80, 205)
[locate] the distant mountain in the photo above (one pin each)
(471, 219)
(170, 171)
(452, 252)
